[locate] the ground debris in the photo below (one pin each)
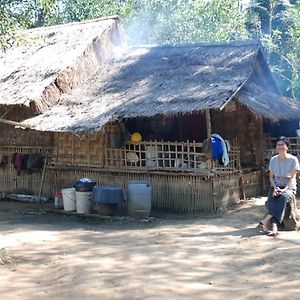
(7, 260)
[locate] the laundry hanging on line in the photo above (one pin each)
(27, 162)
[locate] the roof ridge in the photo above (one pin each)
(254, 42)
(70, 24)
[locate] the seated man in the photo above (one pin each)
(282, 174)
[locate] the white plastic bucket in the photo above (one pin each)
(69, 199)
(83, 202)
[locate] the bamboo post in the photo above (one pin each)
(262, 156)
(43, 177)
(208, 122)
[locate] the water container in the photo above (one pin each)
(106, 199)
(139, 199)
(83, 202)
(69, 199)
(58, 200)
(107, 194)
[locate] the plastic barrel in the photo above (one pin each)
(106, 198)
(69, 199)
(58, 200)
(139, 199)
(83, 202)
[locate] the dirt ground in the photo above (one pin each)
(175, 257)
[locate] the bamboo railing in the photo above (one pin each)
(169, 156)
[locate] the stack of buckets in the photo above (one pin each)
(77, 201)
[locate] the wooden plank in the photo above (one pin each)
(14, 123)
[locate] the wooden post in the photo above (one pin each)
(43, 177)
(262, 156)
(208, 122)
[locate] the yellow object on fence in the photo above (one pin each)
(136, 137)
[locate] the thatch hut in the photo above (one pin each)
(174, 96)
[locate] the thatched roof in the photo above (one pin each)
(53, 60)
(146, 81)
(269, 105)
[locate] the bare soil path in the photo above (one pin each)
(177, 257)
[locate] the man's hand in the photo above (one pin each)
(277, 192)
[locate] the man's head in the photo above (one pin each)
(282, 143)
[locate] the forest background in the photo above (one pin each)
(275, 23)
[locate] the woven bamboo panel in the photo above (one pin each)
(24, 137)
(181, 193)
(226, 191)
(10, 182)
(24, 183)
(251, 184)
(70, 149)
(240, 124)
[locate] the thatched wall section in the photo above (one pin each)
(236, 122)
(251, 184)
(72, 150)
(15, 137)
(24, 183)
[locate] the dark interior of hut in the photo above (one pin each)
(179, 128)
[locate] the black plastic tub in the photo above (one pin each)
(84, 186)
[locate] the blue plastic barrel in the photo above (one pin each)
(107, 194)
(106, 198)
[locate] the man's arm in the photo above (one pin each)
(271, 178)
(289, 184)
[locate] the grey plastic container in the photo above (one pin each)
(139, 199)
(107, 194)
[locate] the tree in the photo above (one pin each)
(293, 55)
(7, 28)
(64, 11)
(271, 21)
(177, 21)
(16, 14)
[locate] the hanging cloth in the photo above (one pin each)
(17, 161)
(220, 149)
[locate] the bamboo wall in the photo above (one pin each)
(251, 184)
(71, 158)
(182, 193)
(226, 191)
(11, 136)
(238, 123)
(73, 150)
(24, 183)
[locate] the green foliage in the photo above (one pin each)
(293, 55)
(271, 21)
(7, 29)
(176, 21)
(65, 11)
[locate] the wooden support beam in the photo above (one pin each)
(208, 122)
(14, 123)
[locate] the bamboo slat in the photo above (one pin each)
(169, 156)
